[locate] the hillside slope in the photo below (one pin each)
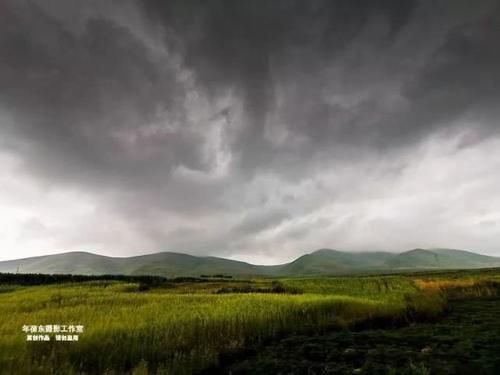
(320, 262)
(160, 264)
(326, 261)
(440, 259)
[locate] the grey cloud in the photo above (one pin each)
(461, 76)
(237, 125)
(87, 103)
(253, 223)
(338, 75)
(244, 46)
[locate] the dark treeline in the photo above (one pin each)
(42, 279)
(217, 276)
(276, 287)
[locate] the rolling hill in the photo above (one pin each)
(326, 261)
(320, 262)
(440, 259)
(160, 264)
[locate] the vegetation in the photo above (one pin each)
(44, 279)
(465, 341)
(185, 326)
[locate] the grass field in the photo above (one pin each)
(465, 341)
(184, 327)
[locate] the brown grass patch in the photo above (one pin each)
(440, 284)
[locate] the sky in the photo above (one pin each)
(253, 130)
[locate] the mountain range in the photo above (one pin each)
(320, 262)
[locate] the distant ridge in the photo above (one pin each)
(320, 262)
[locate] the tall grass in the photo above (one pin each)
(461, 287)
(164, 331)
(372, 287)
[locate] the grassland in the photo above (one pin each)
(184, 327)
(464, 342)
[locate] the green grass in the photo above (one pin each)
(385, 288)
(184, 328)
(464, 341)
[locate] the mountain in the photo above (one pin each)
(165, 263)
(160, 264)
(466, 257)
(416, 258)
(440, 258)
(326, 261)
(320, 262)
(73, 262)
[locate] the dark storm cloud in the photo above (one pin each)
(462, 75)
(80, 101)
(203, 125)
(402, 88)
(244, 46)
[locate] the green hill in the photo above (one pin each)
(320, 262)
(461, 257)
(73, 262)
(160, 264)
(326, 261)
(440, 259)
(165, 263)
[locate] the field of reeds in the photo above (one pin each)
(183, 327)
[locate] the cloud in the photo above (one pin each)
(256, 128)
